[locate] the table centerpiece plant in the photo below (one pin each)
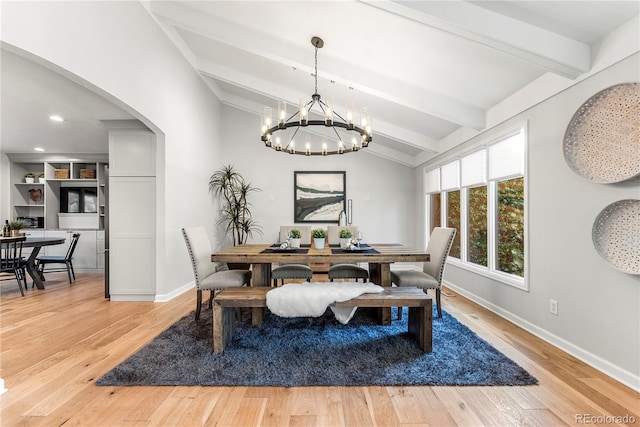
(318, 237)
(16, 226)
(294, 237)
(345, 236)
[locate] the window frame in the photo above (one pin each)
(490, 270)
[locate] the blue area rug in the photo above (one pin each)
(317, 352)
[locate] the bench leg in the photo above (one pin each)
(257, 314)
(224, 326)
(420, 326)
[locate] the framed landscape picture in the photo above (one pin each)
(319, 196)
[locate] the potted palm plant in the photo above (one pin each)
(232, 192)
(345, 237)
(294, 238)
(318, 238)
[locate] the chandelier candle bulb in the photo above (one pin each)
(282, 114)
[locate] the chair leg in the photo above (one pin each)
(69, 272)
(18, 274)
(211, 299)
(438, 302)
(399, 313)
(198, 303)
(73, 273)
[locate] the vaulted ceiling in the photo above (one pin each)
(424, 69)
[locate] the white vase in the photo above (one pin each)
(318, 242)
(294, 243)
(29, 180)
(344, 243)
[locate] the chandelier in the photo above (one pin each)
(350, 137)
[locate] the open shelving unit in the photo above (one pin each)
(48, 205)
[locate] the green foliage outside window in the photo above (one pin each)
(477, 226)
(510, 208)
(453, 220)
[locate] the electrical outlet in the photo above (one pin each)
(553, 306)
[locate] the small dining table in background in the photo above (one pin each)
(37, 243)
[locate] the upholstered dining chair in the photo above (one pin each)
(11, 260)
(43, 262)
(432, 272)
(344, 270)
(293, 270)
(209, 276)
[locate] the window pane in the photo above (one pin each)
(453, 220)
(510, 202)
(435, 204)
(477, 226)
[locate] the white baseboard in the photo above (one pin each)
(619, 374)
(171, 295)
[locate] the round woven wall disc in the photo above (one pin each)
(602, 141)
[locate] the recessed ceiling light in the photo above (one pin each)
(56, 118)
(38, 149)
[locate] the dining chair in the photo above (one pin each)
(344, 270)
(432, 272)
(45, 260)
(293, 270)
(209, 276)
(11, 260)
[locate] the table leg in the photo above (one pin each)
(260, 275)
(380, 274)
(31, 268)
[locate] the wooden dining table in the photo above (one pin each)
(379, 257)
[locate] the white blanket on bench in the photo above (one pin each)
(312, 299)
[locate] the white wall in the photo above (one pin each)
(117, 49)
(382, 191)
(598, 307)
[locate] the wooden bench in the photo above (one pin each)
(225, 303)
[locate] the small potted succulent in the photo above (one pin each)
(40, 176)
(29, 177)
(294, 238)
(318, 237)
(345, 237)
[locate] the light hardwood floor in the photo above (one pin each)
(56, 343)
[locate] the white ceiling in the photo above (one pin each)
(422, 68)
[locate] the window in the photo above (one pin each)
(453, 220)
(435, 208)
(510, 222)
(477, 219)
(482, 192)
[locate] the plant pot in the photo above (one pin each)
(294, 243)
(344, 243)
(29, 180)
(318, 242)
(15, 233)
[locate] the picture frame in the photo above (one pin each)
(319, 196)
